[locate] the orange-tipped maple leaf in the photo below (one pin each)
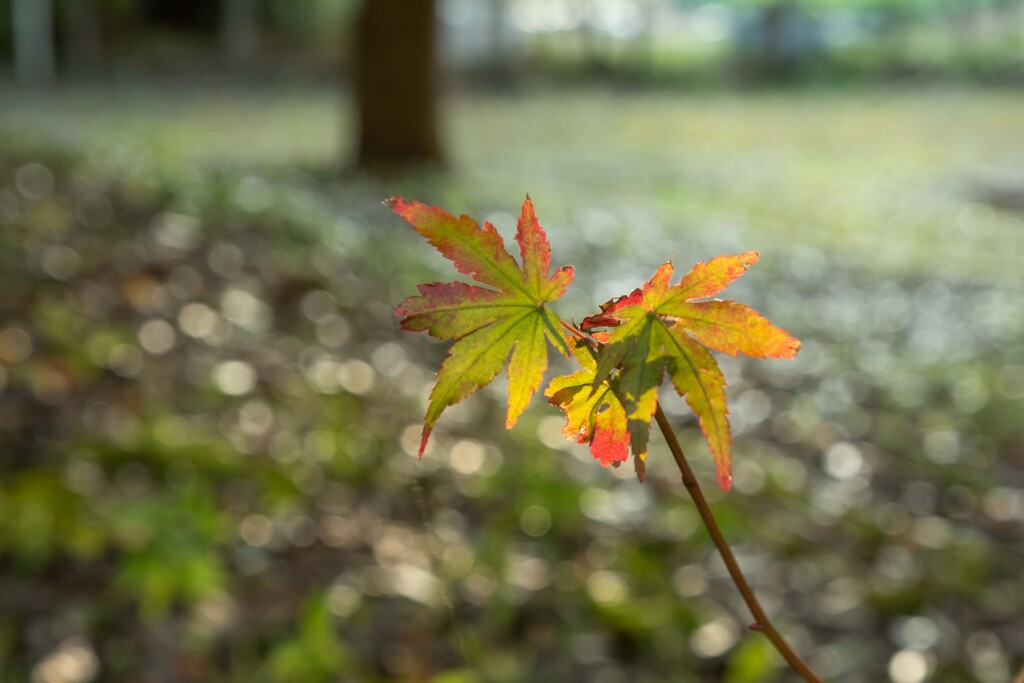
(662, 328)
(488, 325)
(594, 417)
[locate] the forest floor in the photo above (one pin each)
(891, 178)
(209, 417)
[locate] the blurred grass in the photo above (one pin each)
(889, 178)
(208, 418)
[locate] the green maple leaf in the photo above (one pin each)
(659, 329)
(490, 326)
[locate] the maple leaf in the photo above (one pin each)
(489, 326)
(594, 417)
(662, 328)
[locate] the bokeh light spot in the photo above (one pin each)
(535, 521)
(157, 337)
(908, 666)
(235, 377)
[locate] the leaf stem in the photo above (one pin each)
(762, 623)
(578, 333)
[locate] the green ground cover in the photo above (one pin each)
(884, 177)
(208, 417)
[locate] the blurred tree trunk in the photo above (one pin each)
(499, 65)
(594, 58)
(773, 63)
(35, 62)
(240, 30)
(396, 82)
(85, 41)
(644, 41)
(893, 34)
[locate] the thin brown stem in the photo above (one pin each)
(762, 622)
(578, 333)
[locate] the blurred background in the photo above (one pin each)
(208, 418)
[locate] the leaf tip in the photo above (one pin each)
(725, 479)
(528, 212)
(640, 465)
(400, 309)
(402, 207)
(423, 442)
(787, 348)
